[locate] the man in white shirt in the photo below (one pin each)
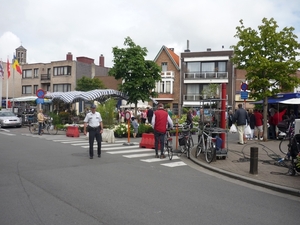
(93, 121)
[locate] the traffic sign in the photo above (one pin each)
(244, 86)
(40, 93)
(244, 94)
(127, 115)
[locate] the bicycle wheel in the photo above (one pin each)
(52, 129)
(200, 147)
(283, 145)
(170, 152)
(188, 148)
(34, 128)
(209, 154)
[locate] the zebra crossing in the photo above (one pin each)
(118, 148)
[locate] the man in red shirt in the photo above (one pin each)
(160, 121)
(258, 129)
(278, 118)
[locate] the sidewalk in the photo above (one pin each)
(271, 174)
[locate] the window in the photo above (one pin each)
(193, 67)
(208, 67)
(35, 88)
(27, 89)
(192, 89)
(27, 73)
(63, 70)
(221, 66)
(61, 87)
(164, 66)
(36, 72)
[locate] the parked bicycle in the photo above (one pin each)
(206, 144)
(48, 125)
(186, 141)
(288, 134)
(168, 146)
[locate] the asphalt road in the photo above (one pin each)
(49, 180)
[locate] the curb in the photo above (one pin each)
(275, 187)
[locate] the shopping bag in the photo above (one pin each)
(233, 129)
(247, 130)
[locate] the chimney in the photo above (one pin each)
(101, 61)
(209, 49)
(69, 56)
(188, 46)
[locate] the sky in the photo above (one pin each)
(51, 29)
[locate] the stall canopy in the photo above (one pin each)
(279, 98)
(99, 95)
(292, 101)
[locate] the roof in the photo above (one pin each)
(172, 55)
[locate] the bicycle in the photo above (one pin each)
(168, 146)
(186, 141)
(51, 129)
(289, 134)
(206, 144)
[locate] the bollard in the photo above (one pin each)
(253, 160)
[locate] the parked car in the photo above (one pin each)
(9, 119)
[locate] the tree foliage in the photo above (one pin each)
(88, 84)
(269, 58)
(139, 75)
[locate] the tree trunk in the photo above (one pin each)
(265, 118)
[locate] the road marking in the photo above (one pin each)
(137, 155)
(8, 134)
(129, 151)
(118, 148)
(174, 164)
(157, 159)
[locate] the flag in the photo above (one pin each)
(1, 70)
(16, 65)
(8, 69)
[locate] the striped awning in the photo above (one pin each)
(67, 97)
(99, 95)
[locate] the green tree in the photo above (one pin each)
(269, 58)
(88, 84)
(139, 75)
(107, 111)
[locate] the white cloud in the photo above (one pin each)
(51, 29)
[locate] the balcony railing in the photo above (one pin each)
(196, 97)
(168, 74)
(45, 77)
(206, 75)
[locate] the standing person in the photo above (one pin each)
(41, 120)
(258, 125)
(189, 118)
(135, 126)
(160, 121)
(93, 121)
(241, 119)
(230, 118)
(251, 123)
(143, 116)
(149, 114)
(276, 119)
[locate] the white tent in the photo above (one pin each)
(292, 101)
(24, 99)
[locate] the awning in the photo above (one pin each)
(292, 101)
(99, 95)
(279, 98)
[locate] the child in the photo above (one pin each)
(135, 126)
